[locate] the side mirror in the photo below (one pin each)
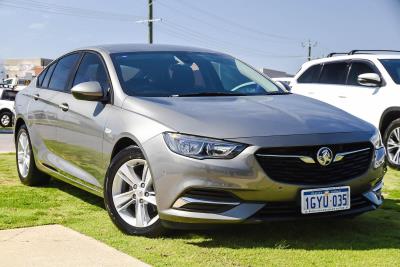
(89, 91)
(283, 85)
(369, 79)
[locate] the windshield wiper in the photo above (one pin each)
(208, 94)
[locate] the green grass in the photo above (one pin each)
(371, 239)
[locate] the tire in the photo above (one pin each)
(6, 118)
(28, 173)
(392, 134)
(128, 188)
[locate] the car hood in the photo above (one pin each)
(246, 116)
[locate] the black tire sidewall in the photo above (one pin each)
(131, 152)
(9, 114)
(394, 124)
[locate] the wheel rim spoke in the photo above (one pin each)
(122, 198)
(127, 175)
(142, 216)
(150, 199)
(126, 205)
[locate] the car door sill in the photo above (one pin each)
(56, 174)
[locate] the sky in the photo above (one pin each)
(264, 33)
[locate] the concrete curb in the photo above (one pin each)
(56, 245)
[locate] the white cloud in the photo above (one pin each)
(37, 26)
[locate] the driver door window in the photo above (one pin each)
(91, 69)
(356, 69)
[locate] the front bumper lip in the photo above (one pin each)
(247, 212)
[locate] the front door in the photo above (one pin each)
(81, 129)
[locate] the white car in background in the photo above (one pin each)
(365, 83)
(15, 83)
(7, 111)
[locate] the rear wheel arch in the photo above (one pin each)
(387, 117)
(18, 125)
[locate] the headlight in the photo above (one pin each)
(202, 148)
(376, 140)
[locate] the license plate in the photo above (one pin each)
(325, 199)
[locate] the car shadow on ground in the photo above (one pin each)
(76, 192)
(373, 230)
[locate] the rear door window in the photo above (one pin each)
(356, 69)
(41, 78)
(62, 72)
(334, 73)
(311, 75)
(47, 76)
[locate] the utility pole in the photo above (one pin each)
(150, 22)
(309, 46)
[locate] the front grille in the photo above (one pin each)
(284, 168)
(289, 210)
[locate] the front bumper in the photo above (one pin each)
(242, 177)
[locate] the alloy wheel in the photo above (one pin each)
(393, 146)
(24, 154)
(5, 119)
(133, 194)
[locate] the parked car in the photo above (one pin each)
(7, 98)
(364, 83)
(16, 84)
(173, 136)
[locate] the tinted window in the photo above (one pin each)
(310, 75)
(356, 69)
(91, 69)
(185, 73)
(393, 67)
(46, 79)
(62, 72)
(334, 73)
(41, 77)
(9, 95)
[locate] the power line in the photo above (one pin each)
(254, 33)
(67, 10)
(232, 22)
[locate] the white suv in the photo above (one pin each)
(363, 83)
(7, 111)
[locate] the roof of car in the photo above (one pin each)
(355, 56)
(120, 48)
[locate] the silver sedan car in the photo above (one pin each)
(175, 136)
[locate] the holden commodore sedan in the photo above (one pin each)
(174, 136)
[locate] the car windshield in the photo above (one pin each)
(393, 68)
(163, 74)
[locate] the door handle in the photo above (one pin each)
(342, 96)
(36, 96)
(64, 106)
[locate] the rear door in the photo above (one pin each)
(308, 81)
(82, 123)
(329, 85)
(42, 116)
(44, 110)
